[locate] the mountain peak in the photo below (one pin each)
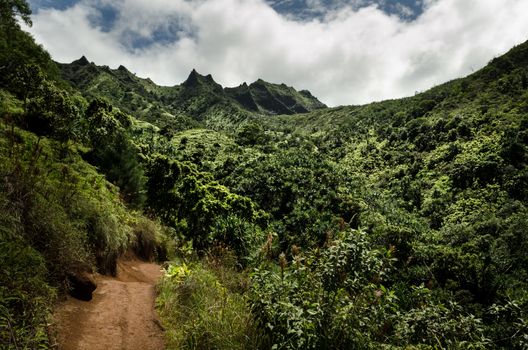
(83, 61)
(195, 79)
(272, 98)
(209, 77)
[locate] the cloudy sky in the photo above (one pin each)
(343, 51)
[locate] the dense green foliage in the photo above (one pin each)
(113, 151)
(437, 180)
(398, 224)
(196, 205)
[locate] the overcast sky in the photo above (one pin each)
(343, 51)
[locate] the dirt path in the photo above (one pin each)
(120, 316)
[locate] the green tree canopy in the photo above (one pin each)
(11, 9)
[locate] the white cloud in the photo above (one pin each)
(349, 57)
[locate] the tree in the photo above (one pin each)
(17, 48)
(113, 151)
(195, 204)
(26, 81)
(53, 112)
(11, 9)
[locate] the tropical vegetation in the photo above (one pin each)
(399, 224)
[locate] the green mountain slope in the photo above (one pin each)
(438, 181)
(198, 99)
(269, 98)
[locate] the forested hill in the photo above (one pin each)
(399, 224)
(197, 99)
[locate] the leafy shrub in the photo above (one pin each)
(432, 324)
(242, 236)
(509, 325)
(53, 112)
(335, 298)
(299, 304)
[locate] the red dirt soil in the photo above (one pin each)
(120, 316)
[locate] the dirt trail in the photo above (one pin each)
(120, 316)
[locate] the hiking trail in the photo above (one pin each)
(121, 315)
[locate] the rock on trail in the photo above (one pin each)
(120, 316)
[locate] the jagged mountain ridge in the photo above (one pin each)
(268, 98)
(196, 99)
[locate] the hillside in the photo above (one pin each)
(399, 224)
(198, 99)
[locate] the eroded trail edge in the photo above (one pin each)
(120, 316)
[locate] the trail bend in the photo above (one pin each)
(121, 315)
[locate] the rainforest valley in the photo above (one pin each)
(282, 223)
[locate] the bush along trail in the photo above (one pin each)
(120, 316)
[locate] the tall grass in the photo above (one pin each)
(151, 240)
(200, 312)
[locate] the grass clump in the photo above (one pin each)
(200, 312)
(151, 240)
(25, 296)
